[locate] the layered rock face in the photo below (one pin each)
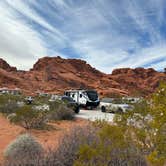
(55, 74)
(139, 80)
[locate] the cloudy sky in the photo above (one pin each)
(107, 34)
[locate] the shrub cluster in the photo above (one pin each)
(69, 145)
(147, 125)
(24, 150)
(8, 104)
(83, 146)
(112, 148)
(60, 111)
(28, 117)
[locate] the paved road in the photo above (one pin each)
(95, 115)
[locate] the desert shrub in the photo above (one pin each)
(9, 107)
(23, 150)
(60, 111)
(41, 100)
(69, 145)
(113, 148)
(28, 117)
(99, 144)
(147, 125)
(8, 103)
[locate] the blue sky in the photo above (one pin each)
(107, 34)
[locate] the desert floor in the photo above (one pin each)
(48, 138)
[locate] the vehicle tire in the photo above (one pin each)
(77, 110)
(103, 109)
(91, 108)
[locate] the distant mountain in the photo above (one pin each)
(55, 74)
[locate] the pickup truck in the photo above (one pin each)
(106, 105)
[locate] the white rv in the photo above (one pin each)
(85, 98)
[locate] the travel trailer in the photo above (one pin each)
(15, 91)
(85, 98)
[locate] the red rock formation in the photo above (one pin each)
(4, 65)
(55, 74)
(138, 80)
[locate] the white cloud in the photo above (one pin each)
(108, 34)
(20, 45)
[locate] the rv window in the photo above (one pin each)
(73, 95)
(67, 94)
(80, 95)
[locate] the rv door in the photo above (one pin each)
(82, 98)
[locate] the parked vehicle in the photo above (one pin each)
(29, 99)
(106, 105)
(131, 100)
(54, 97)
(85, 98)
(71, 103)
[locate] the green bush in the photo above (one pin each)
(9, 107)
(113, 147)
(69, 145)
(8, 103)
(60, 111)
(147, 125)
(28, 117)
(24, 148)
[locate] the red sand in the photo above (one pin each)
(48, 138)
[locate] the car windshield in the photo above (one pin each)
(68, 99)
(92, 95)
(107, 100)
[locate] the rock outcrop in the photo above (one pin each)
(4, 65)
(55, 74)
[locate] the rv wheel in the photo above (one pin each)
(89, 108)
(103, 109)
(77, 110)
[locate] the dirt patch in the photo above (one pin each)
(48, 138)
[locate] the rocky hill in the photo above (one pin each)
(4, 65)
(55, 74)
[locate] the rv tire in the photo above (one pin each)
(77, 110)
(103, 109)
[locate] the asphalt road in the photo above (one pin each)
(93, 115)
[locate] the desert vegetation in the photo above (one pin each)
(147, 126)
(35, 115)
(136, 138)
(94, 144)
(9, 103)
(60, 111)
(24, 148)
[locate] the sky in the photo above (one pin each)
(108, 34)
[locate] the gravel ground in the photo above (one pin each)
(95, 115)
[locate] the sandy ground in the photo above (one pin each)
(48, 138)
(93, 115)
